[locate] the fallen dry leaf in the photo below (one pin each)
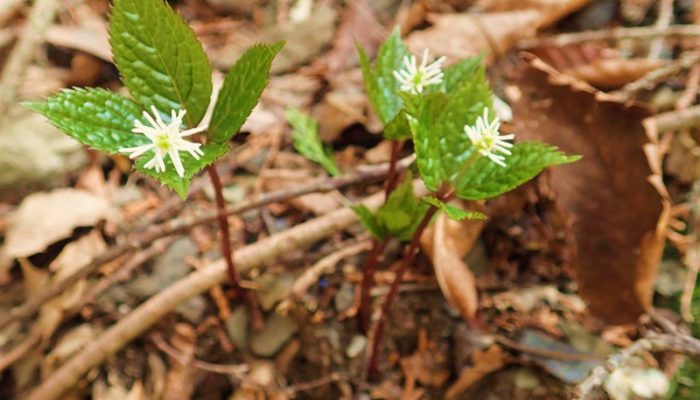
(344, 105)
(447, 243)
(485, 362)
(550, 11)
(597, 65)
(619, 218)
(91, 40)
(359, 26)
(421, 366)
(458, 36)
(47, 217)
(304, 41)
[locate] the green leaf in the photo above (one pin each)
(437, 125)
(159, 57)
(241, 91)
(402, 212)
(398, 217)
(381, 85)
(170, 178)
(97, 118)
(486, 179)
(453, 212)
(398, 128)
(307, 142)
(456, 73)
(369, 221)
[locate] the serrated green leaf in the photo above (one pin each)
(381, 85)
(453, 212)
(485, 179)
(307, 142)
(170, 178)
(159, 57)
(398, 128)
(97, 118)
(369, 221)
(456, 73)
(437, 124)
(241, 90)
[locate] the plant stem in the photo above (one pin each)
(392, 177)
(378, 246)
(408, 256)
(368, 269)
(226, 251)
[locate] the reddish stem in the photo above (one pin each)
(378, 246)
(392, 178)
(408, 256)
(368, 269)
(226, 251)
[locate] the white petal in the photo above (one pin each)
(137, 151)
(151, 163)
(150, 119)
(192, 131)
(177, 162)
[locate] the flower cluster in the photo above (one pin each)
(166, 140)
(415, 78)
(487, 140)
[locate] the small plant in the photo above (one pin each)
(460, 153)
(169, 79)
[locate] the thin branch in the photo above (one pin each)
(323, 266)
(675, 120)
(365, 174)
(645, 32)
(650, 80)
(22, 54)
(664, 19)
(151, 311)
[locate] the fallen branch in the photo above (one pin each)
(43, 12)
(366, 174)
(155, 308)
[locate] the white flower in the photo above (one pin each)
(166, 139)
(486, 139)
(414, 78)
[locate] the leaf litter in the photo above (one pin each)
(594, 229)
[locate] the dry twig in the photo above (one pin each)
(323, 266)
(30, 307)
(155, 308)
(665, 16)
(653, 78)
(644, 32)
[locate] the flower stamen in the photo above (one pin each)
(166, 140)
(487, 140)
(415, 78)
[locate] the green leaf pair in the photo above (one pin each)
(307, 141)
(444, 154)
(164, 66)
(399, 217)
